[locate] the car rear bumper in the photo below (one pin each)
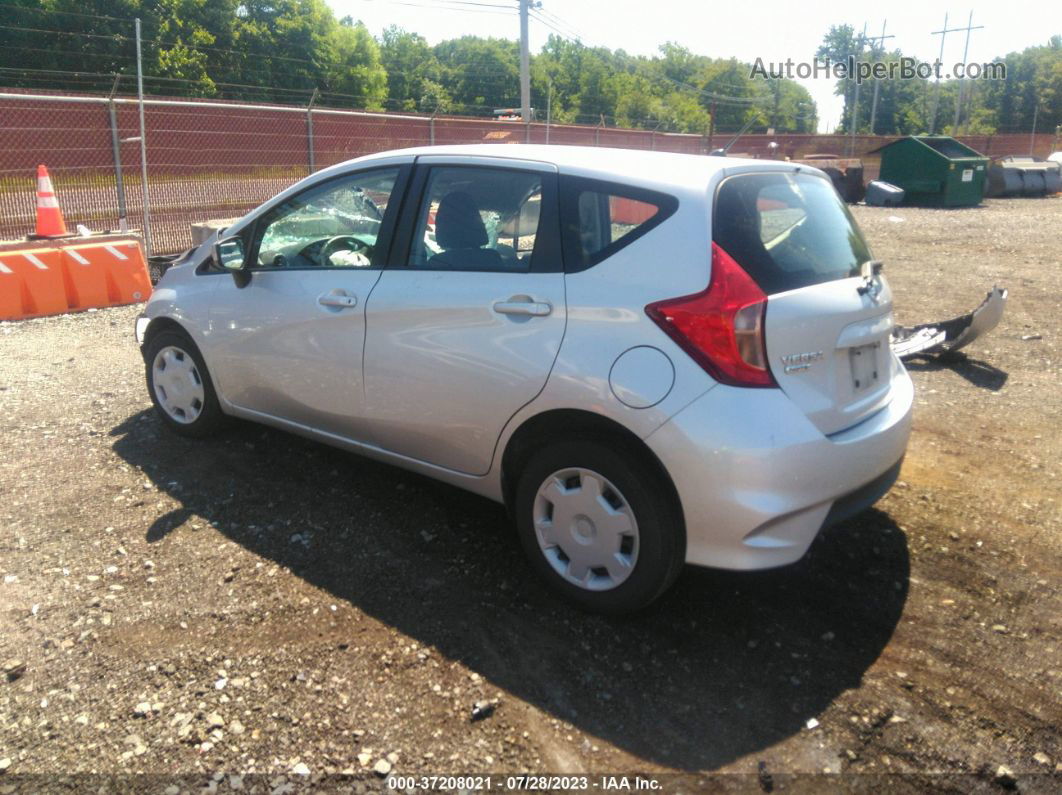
(757, 481)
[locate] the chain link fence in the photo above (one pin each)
(210, 160)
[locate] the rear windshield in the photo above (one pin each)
(787, 230)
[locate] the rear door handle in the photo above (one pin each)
(520, 305)
(337, 299)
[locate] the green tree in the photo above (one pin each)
(354, 68)
(479, 74)
(183, 31)
(408, 61)
(635, 102)
(727, 87)
(1033, 87)
(838, 44)
(66, 50)
(434, 98)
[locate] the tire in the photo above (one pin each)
(565, 526)
(186, 401)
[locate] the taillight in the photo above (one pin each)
(721, 327)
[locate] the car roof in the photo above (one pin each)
(682, 174)
(638, 166)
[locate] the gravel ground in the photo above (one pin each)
(262, 612)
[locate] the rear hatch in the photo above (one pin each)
(829, 313)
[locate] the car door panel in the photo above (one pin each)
(452, 354)
(289, 342)
(298, 359)
(445, 370)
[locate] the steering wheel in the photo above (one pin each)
(338, 243)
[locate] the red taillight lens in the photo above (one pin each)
(721, 327)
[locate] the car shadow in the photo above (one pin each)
(726, 664)
(977, 372)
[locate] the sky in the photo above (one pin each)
(773, 30)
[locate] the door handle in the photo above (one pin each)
(341, 300)
(519, 305)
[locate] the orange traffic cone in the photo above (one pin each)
(50, 221)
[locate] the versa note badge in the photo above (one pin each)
(795, 362)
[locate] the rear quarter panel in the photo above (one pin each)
(606, 306)
(606, 317)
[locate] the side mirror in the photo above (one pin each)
(228, 253)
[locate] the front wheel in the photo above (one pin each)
(180, 386)
(599, 525)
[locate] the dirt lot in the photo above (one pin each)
(263, 607)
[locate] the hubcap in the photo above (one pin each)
(178, 385)
(586, 529)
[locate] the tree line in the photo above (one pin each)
(288, 51)
(1032, 91)
(282, 50)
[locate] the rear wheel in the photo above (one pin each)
(180, 386)
(599, 525)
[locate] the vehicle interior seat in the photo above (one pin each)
(460, 230)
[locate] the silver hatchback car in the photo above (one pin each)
(651, 359)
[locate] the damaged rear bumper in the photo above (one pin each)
(950, 335)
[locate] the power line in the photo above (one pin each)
(560, 22)
(486, 71)
(119, 37)
(455, 5)
(32, 9)
(538, 16)
(535, 16)
(111, 36)
(507, 6)
(106, 79)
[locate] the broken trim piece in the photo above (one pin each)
(950, 335)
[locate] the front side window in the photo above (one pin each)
(334, 225)
(478, 219)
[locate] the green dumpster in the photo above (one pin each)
(934, 171)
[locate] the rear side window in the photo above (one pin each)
(600, 218)
(787, 230)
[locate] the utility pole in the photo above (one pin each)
(525, 64)
(310, 148)
(1032, 135)
(962, 80)
(143, 144)
(879, 41)
(776, 91)
(855, 103)
(711, 126)
(123, 221)
(549, 107)
(940, 61)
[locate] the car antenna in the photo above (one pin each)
(723, 152)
